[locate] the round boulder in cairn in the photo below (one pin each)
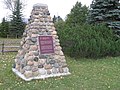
(55, 70)
(49, 71)
(22, 70)
(61, 70)
(17, 67)
(47, 66)
(33, 48)
(40, 66)
(42, 61)
(56, 65)
(28, 74)
(30, 63)
(30, 58)
(36, 73)
(65, 70)
(42, 71)
(27, 68)
(34, 39)
(35, 59)
(36, 63)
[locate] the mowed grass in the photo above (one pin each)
(86, 74)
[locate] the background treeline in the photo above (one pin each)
(14, 27)
(81, 38)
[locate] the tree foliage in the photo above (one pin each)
(77, 15)
(4, 28)
(16, 24)
(12, 4)
(105, 11)
(80, 39)
(56, 19)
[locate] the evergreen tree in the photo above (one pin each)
(78, 14)
(105, 11)
(4, 28)
(56, 19)
(17, 25)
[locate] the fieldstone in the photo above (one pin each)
(63, 61)
(61, 53)
(36, 27)
(30, 63)
(33, 48)
(61, 70)
(23, 65)
(52, 61)
(57, 52)
(17, 67)
(54, 70)
(30, 58)
(55, 37)
(62, 57)
(47, 66)
(29, 42)
(49, 17)
(34, 35)
(36, 16)
(53, 28)
(27, 68)
(36, 59)
(41, 20)
(50, 30)
(56, 65)
(57, 40)
(21, 57)
(64, 65)
(34, 68)
(25, 48)
(65, 70)
(22, 70)
(31, 53)
(42, 61)
(40, 33)
(24, 34)
(54, 33)
(18, 61)
(56, 57)
(42, 71)
(57, 44)
(28, 74)
(22, 52)
(58, 48)
(36, 63)
(36, 53)
(34, 39)
(36, 20)
(36, 73)
(40, 66)
(27, 38)
(21, 43)
(48, 33)
(49, 71)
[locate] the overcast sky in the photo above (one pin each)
(56, 7)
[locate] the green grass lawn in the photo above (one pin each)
(86, 74)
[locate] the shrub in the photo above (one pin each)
(90, 41)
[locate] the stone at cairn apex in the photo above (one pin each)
(40, 5)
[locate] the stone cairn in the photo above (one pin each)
(29, 62)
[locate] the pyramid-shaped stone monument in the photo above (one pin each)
(40, 55)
